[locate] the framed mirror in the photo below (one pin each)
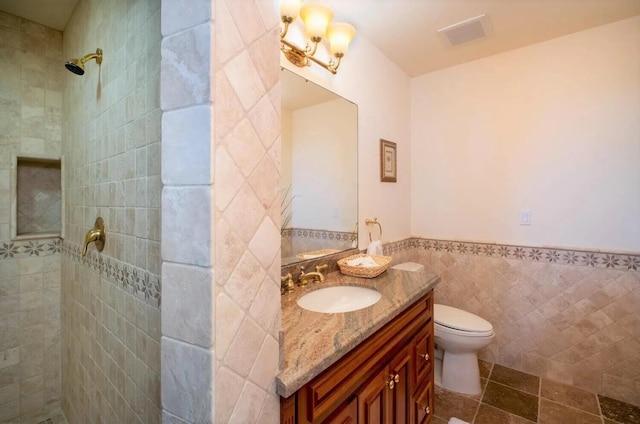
(319, 184)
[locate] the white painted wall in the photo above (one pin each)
(382, 92)
(553, 127)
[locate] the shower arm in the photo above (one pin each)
(97, 56)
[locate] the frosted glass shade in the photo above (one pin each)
(316, 18)
(339, 36)
(289, 8)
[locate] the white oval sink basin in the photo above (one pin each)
(337, 299)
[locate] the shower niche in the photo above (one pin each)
(37, 198)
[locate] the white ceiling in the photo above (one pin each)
(51, 13)
(405, 30)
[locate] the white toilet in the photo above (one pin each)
(459, 335)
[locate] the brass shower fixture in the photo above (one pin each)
(77, 65)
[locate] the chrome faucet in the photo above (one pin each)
(95, 235)
(315, 276)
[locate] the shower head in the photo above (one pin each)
(77, 65)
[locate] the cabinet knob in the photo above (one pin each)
(393, 380)
(426, 409)
(425, 356)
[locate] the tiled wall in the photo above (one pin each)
(30, 125)
(221, 211)
(567, 315)
(247, 143)
(29, 329)
(111, 147)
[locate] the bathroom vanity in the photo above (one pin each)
(370, 365)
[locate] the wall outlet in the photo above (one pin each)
(525, 217)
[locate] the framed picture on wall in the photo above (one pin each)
(388, 162)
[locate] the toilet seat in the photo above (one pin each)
(456, 321)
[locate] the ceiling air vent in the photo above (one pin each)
(467, 30)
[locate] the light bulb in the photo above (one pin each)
(339, 36)
(316, 17)
(289, 8)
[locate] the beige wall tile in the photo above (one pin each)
(187, 312)
(190, 126)
(185, 67)
(226, 399)
(573, 331)
(187, 393)
(182, 242)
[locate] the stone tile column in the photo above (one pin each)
(220, 210)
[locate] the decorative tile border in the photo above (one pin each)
(612, 260)
(318, 234)
(398, 246)
(135, 281)
(20, 249)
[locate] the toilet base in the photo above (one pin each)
(459, 373)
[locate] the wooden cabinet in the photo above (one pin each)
(388, 378)
(373, 400)
(348, 414)
(401, 389)
(422, 404)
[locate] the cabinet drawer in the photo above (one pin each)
(423, 354)
(422, 404)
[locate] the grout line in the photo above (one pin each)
(600, 408)
(475, 415)
(539, 398)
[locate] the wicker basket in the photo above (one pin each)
(316, 253)
(361, 271)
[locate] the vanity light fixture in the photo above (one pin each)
(316, 18)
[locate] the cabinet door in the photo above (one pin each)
(288, 410)
(373, 400)
(422, 405)
(347, 415)
(400, 394)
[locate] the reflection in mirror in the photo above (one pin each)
(319, 189)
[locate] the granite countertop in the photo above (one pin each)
(313, 341)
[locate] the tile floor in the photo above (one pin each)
(513, 397)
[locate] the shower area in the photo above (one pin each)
(80, 334)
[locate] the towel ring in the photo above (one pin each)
(371, 222)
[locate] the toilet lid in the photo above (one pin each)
(460, 320)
